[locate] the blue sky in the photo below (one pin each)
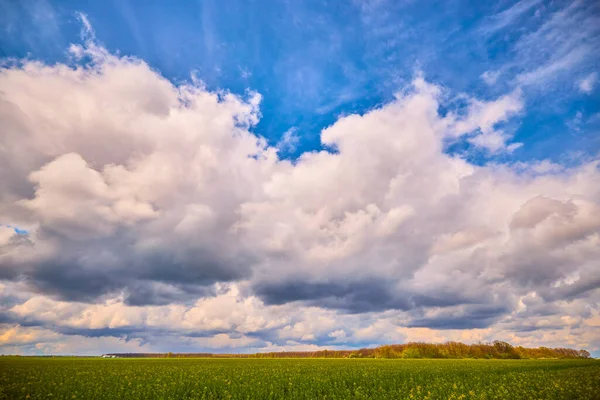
(284, 175)
(314, 61)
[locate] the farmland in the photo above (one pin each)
(94, 378)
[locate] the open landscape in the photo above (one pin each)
(409, 371)
(286, 199)
(293, 378)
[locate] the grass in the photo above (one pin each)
(68, 378)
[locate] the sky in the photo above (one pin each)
(262, 175)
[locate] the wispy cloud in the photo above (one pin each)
(553, 67)
(563, 42)
(556, 43)
(87, 32)
(509, 16)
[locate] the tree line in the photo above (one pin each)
(451, 350)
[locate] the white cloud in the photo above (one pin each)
(587, 84)
(483, 116)
(289, 141)
(494, 142)
(153, 209)
(76, 200)
(490, 77)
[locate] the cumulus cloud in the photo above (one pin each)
(156, 216)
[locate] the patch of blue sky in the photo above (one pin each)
(315, 61)
(16, 229)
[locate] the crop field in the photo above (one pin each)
(80, 378)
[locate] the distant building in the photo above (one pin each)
(108, 356)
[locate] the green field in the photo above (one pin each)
(67, 378)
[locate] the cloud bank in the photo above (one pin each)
(155, 218)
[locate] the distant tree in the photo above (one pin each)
(411, 352)
(386, 352)
(497, 349)
(584, 354)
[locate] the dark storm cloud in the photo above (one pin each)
(143, 293)
(579, 289)
(444, 298)
(378, 295)
(193, 266)
(467, 317)
(523, 328)
(67, 280)
(354, 297)
(70, 281)
(87, 270)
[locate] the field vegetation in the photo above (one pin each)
(296, 378)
